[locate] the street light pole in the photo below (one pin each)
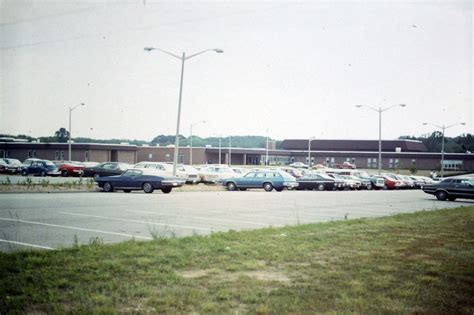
(220, 144)
(191, 140)
(230, 150)
(443, 128)
(183, 58)
(380, 111)
(309, 151)
(70, 124)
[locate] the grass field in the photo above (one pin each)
(409, 263)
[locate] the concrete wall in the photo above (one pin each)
(127, 157)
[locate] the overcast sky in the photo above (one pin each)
(292, 69)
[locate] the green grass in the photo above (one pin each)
(410, 263)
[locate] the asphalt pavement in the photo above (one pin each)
(53, 221)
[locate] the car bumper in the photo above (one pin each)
(172, 183)
(290, 185)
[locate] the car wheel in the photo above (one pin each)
(166, 190)
(95, 176)
(231, 186)
(42, 173)
(24, 173)
(243, 189)
(320, 187)
(64, 173)
(279, 189)
(268, 187)
(452, 198)
(441, 195)
(369, 187)
(126, 190)
(108, 187)
(148, 188)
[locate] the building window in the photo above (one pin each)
(86, 156)
(369, 163)
(397, 163)
(62, 155)
(453, 165)
(413, 162)
(150, 156)
(34, 153)
(333, 161)
(167, 157)
(181, 159)
(390, 163)
(353, 161)
(56, 155)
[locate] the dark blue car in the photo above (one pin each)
(139, 179)
(41, 168)
(266, 179)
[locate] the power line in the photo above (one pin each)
(199, 19)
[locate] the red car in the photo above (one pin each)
(346, 165)
(71, 169)
(391, 183)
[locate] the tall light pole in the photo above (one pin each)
(191, 140)
(70, 124)
(309, 151)
(220, 149)
(230, 151)
(443, 128)
(266, 150)
(183, 58)
(380, 111)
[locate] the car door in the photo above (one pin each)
(246, 180)
(108, 169)
(305, 182)
(464, 188)
(34, 168)
(129, 179)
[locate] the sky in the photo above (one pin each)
(289, 69)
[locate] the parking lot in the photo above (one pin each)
(52, 221)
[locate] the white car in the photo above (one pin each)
(188, 173)
(216, 173)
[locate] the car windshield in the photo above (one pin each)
(49, 163)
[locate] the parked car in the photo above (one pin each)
(345, 165)
(106, 169)
(343, 183)
(139, 179)
(188, 173)
(268, 180)
(352, 182)
(391, 182)
(41, 168)
(298, 165)
(452, 188)
(376, 183)
(318, 182)
(216, 173)
(70, 168)
(296, 173)
(28, 161)
(3, 166)
(12, 166)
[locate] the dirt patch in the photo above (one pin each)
(263, 275)
(194, 274)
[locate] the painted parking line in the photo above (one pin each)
(77, 228)
(27, 244)
(138, 221)
(195, 217)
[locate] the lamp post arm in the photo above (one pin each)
(452, 125)
(387, 108)
(164, 51)
(196, 54)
